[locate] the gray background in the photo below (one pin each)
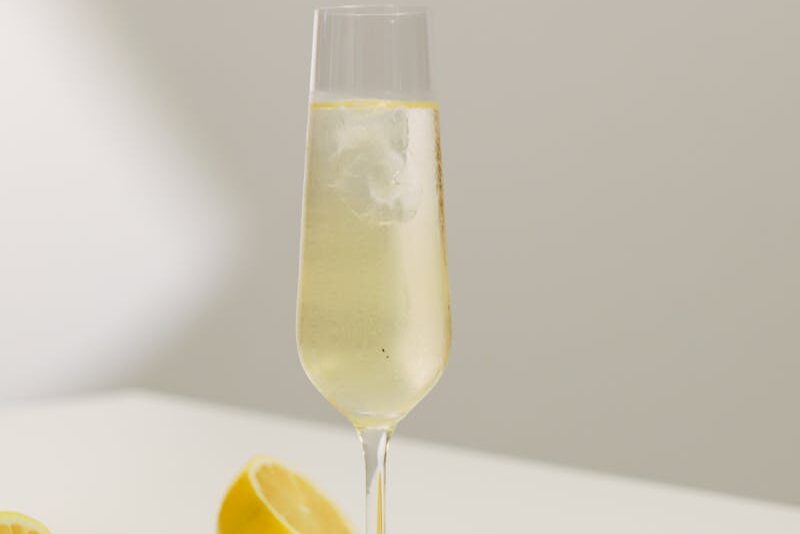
(623, 203)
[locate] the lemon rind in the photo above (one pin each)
(7, 517)
(252, 468)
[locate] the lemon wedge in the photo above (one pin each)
(16, 523)
(268, 498)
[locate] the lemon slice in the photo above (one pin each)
(268, 498)
(15, 523)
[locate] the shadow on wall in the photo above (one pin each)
(110, 231)
(236, 95)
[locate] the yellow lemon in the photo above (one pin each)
(268, 498)
(15, 523)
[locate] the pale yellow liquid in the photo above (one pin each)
(374, 303)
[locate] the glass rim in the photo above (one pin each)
(372, 10)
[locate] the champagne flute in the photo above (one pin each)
(373, 314)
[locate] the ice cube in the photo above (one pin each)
(367, 165)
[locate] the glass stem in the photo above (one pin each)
(374, 442)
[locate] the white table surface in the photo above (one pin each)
(139, 462)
